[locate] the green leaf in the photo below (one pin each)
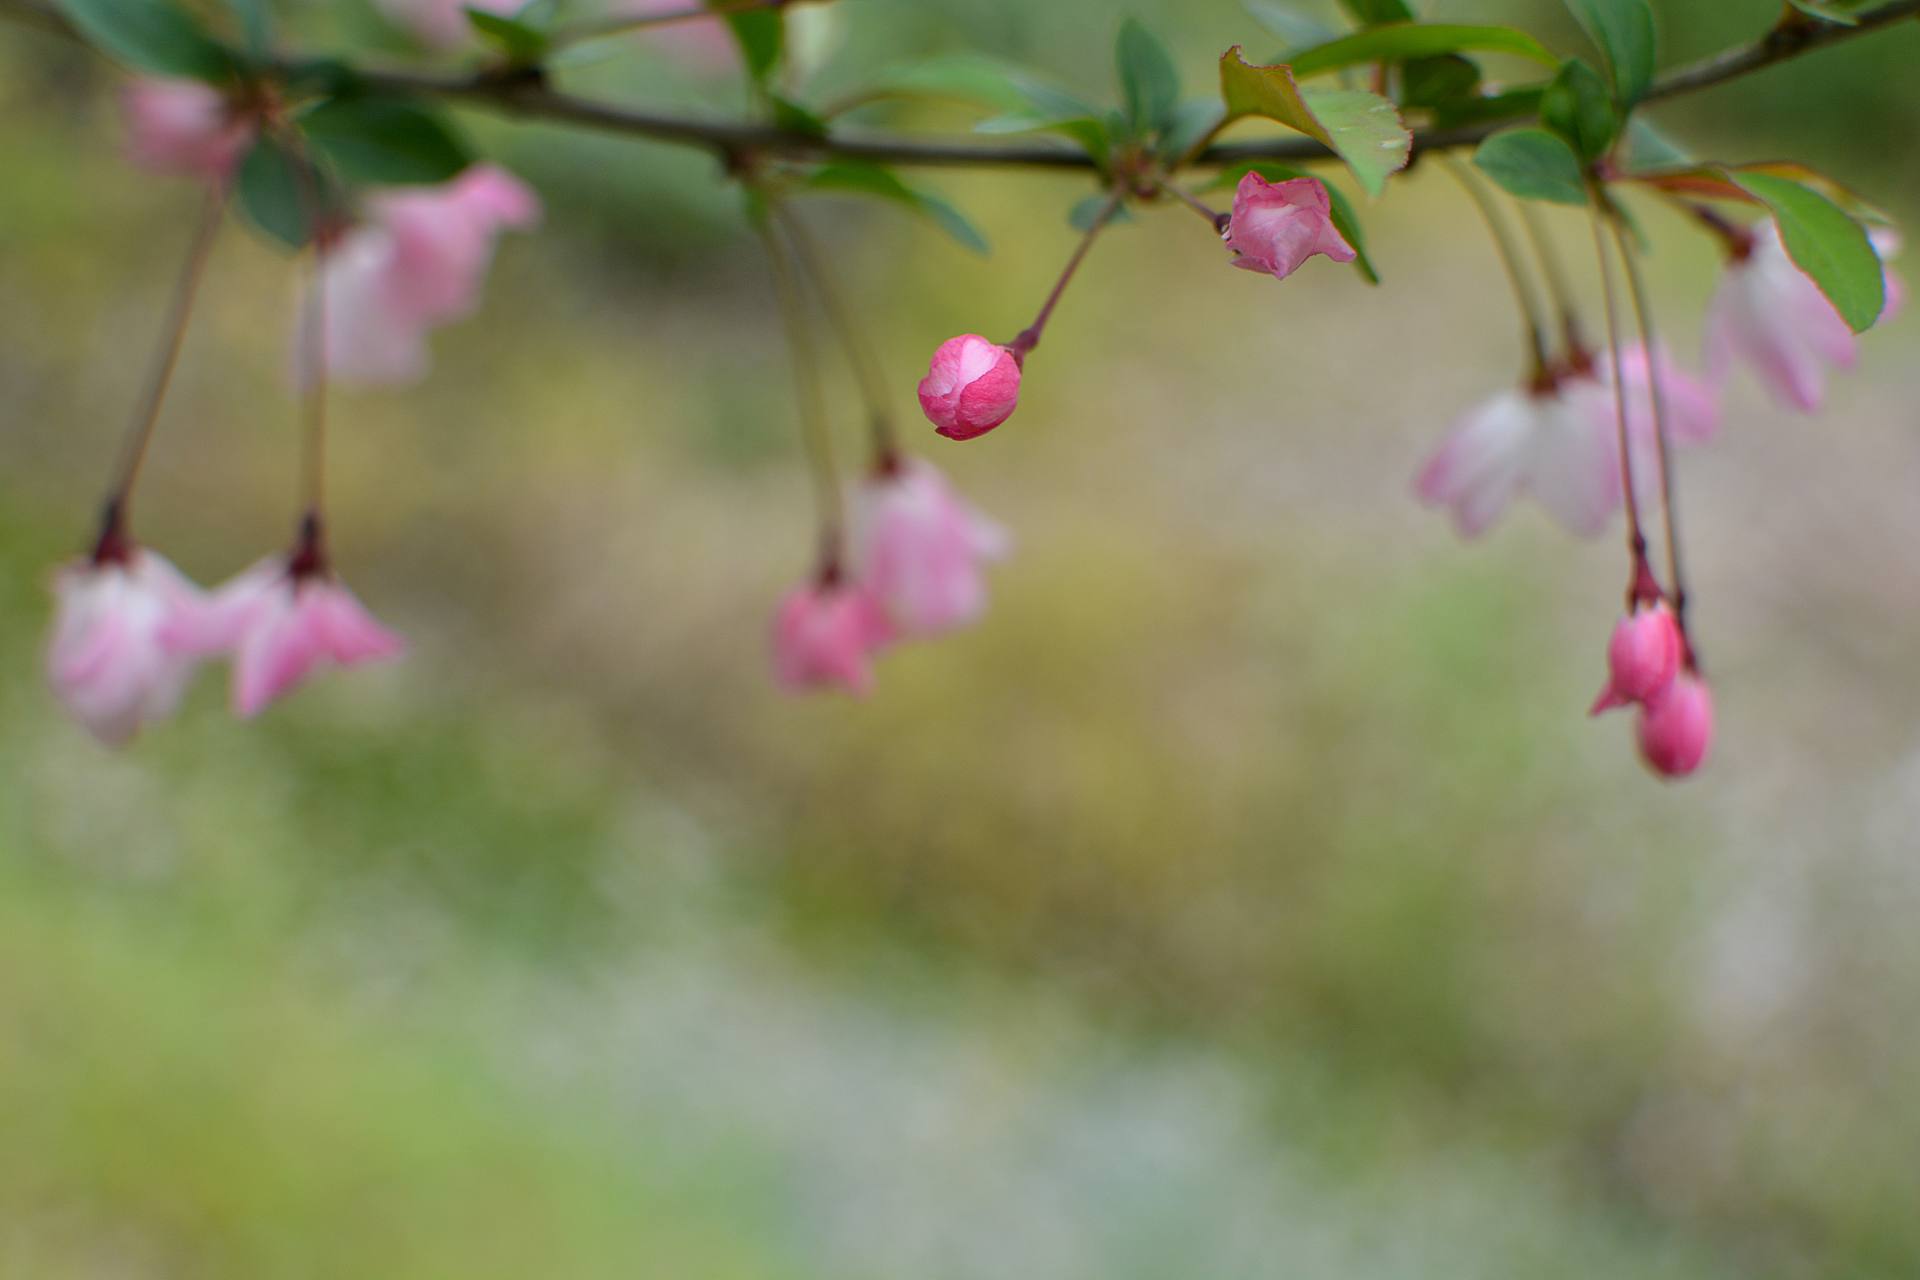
(1509, 104)
(1346, 219)
(1194, 121)
(1373, 12)
(522, 42)
(1623, 31)
(384, 140)
(256, 24)
(795, 118)
(1361, 128)
(1299, 30)
(1396, 42)
(960, 77)
(1149, 84)
(1826, 12)
(1578, 107)
(762, 37)
(1650, 147)
(279, 192)
(1825, 243)
(1083, 213)
(151, 35)
(1534, 165)
(1432, 82)
(1089, 134)
(858, 178)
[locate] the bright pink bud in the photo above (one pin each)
(1276, 226)
(971, 387)
(280, 628)
(107, 660)
(919, 548)
(1642, 658)
(1677, 728)
(183, 127)
(825, 635)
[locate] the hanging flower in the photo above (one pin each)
(107, 660)
(920, 548)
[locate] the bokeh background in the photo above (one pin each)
(1248, 896)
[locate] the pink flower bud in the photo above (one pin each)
(107, 660)
(920, 547)
(825, 635)
(971, 387)
(1642, 657)
(1276, 226)
(183, 127)
(1676, 729)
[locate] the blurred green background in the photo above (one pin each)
(1248, 896)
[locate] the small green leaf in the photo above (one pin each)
(279, 192)
(1361, 128)
(385, 140)
(1396, 42)
(1373, 12)
(1081, 216)
(1299, 30)
(795, 118)
(1508, 104)
(1826, 12)
(1432, 82)
(1534, 165)
(1623, 31)
(1149, 83)
(1650, 147)
(522, 42)
(1089, 134)
(1346, 219)
(1194, 121)
(762, 37)
(858, 178)
(151, 35)
(960, 77)
(1825, 243)
(1579, 107)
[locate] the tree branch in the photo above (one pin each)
(527, 95)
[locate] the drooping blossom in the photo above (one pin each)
(1545, 440)
(183, 127)
(1691, 403)
(1643, 656)
(825, 634)
(919, 549)
(443, 23)
(108, 660)
(416, 262)
(1770, 314)
(972, 386)
(1276, 226)
(1675, 730)
(281, 622)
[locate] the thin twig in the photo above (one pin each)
(1509, 254)
(1636, 537)
(816, 434)
(867, 368)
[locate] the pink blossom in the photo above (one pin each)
(1676, 729)
(825, 634)
(1546, 441)
(183, 127)
(920, 548)
(107, 660)
(1643, 655)
(443, 23)
(1276, 226)
(418, 261)
(1771, 315)
(280, 627)
(971, 387)
(1692, 407)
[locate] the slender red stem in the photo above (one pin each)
(1640, 578)
(1029, 338)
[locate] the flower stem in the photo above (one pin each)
(1643, 317)
(814, 432)
(1638, 579)
(1509, 253)
(1558, 290)
(313, 411)
(1029, 338)
(867, 370)
(133, 452)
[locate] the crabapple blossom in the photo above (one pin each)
(919, 549)
(825, 633)
(972, 386)
(1675, 730)
(281, 622)
(183, 127)
(108, 660)
(1276, 226)
(1769, 314)
(1643, 656)
(417, 261)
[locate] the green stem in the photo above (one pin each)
(1509, 254)
(867, 369)
(815, 434)
(1636, 538)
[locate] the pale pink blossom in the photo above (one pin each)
(1675, 730)
(972, 386)
(108, 661)
(825, 635)
(280, 627)
(416, 262)
(920, 548)
(443, 23)
(1691, 403)
(1643, 656)
(1545, 441)
(1771, 315)
(183, 127)
(1276, 226)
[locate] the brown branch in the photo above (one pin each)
(527, 96)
